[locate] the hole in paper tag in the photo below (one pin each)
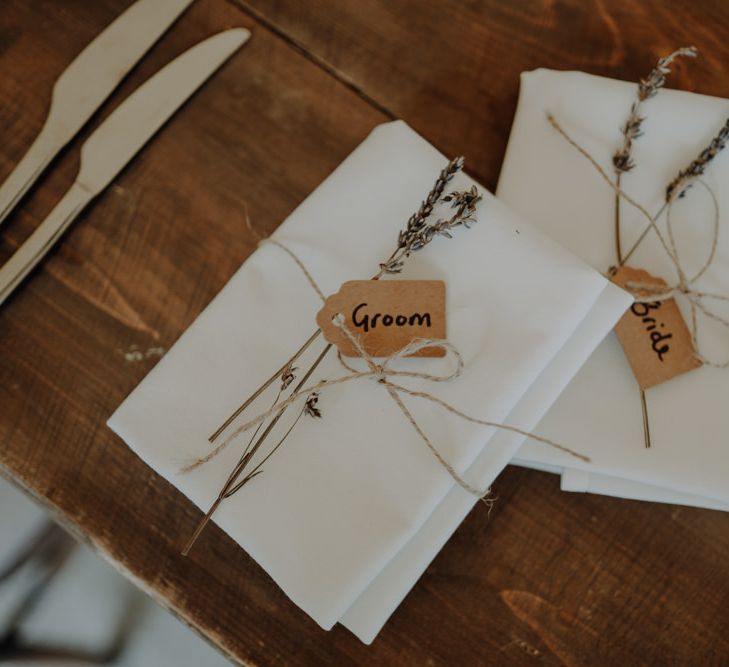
(654, 335)
(386, 315)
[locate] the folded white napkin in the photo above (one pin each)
(347, 492)
(372, 609)
(546, 180)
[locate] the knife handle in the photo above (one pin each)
(27, 171)
(42, 239)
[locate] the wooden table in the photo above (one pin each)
(549, 577)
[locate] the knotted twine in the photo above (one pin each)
(382, 374)
(650, 292)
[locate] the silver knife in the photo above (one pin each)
(118, 139)
(86, 83)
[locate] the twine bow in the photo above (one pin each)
(383, 375)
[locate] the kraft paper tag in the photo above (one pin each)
(386, 315)
(654, 335)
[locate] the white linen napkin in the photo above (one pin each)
(375, 605)
(347, 492)
(546, 180)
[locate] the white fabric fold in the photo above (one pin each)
(371, 610)
(586, 482)
(582, 481)
(347, 492)
(547, 181)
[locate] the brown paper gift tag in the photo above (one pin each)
(654, 335)
(386, 315)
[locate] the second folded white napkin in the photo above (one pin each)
(546, 180)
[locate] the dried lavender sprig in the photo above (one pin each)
(465, 203)
(418, 233)
(647, 88)
(418, 220)
(393, 264)
(682, 180)
(698, 166)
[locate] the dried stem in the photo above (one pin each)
(231, 485)
(632, 129)
(623, 160)
(263, 387)
(417, 234)
(647, 88)
(618, 240)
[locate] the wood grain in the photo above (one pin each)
(548, 577)
(451, 68)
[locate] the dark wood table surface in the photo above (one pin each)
(549, 577)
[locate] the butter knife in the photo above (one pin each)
(118, 139)
(86, 83)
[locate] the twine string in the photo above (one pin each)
(650, 292)
(383, 375)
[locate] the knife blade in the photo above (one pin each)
(86, 83)
(118, 139)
